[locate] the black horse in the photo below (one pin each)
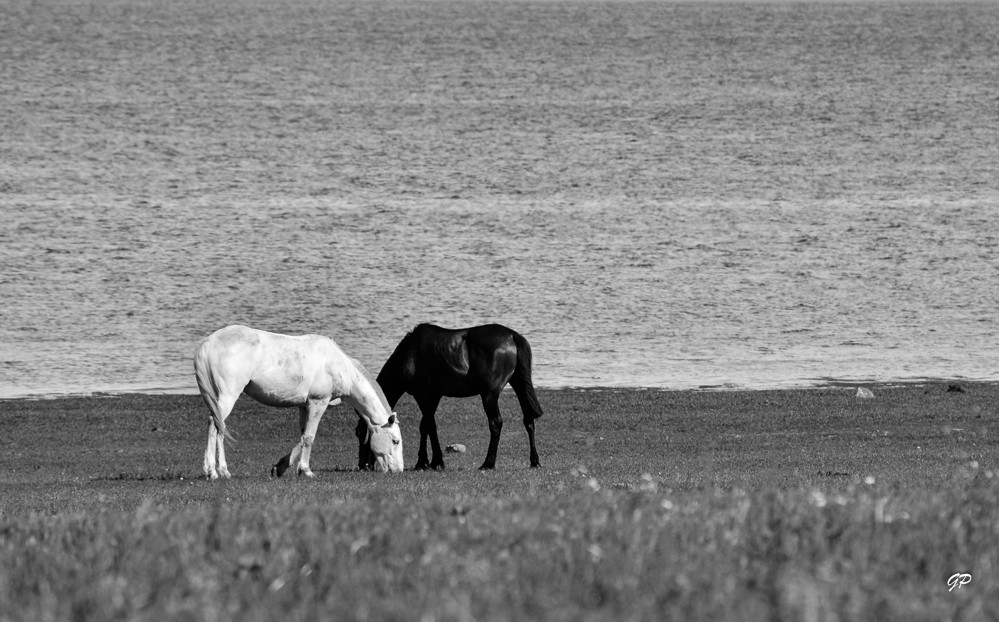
(432, 362)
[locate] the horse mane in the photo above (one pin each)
(423, 326)
(374, 384)
(409, 341)
(408, 337)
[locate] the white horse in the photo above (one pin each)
(308, 371)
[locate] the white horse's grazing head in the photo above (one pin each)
(385, 442)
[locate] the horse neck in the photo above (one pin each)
(368, 402)
(392, 386)
(393, 376)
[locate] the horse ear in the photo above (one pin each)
(391, 421)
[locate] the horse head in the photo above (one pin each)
(385, 442)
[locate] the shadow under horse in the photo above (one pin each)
(433, 362)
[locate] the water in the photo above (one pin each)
(655, 194)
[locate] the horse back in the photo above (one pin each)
(492, 348)
(274, 367)
(462, 362)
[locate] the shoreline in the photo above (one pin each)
(958, 383)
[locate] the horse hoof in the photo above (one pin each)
(437, 467)
(308, 474)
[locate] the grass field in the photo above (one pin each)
(770, 505)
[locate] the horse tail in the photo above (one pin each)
(521, 381)
(209, 389)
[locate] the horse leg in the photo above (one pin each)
(210, 468)
(293, 458)
(490, 402)
(297, 457)
(529, 426)
(216, 444)
(437, 459)
(314, 412)
(428, 429)
(363, 449)
(524, 388)
(422, 463)
(281, 466)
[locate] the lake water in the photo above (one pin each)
(654, 194)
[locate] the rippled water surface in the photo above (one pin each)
(655, 194)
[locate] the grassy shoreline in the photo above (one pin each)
(803, 504)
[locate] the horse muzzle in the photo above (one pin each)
(385, 465)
